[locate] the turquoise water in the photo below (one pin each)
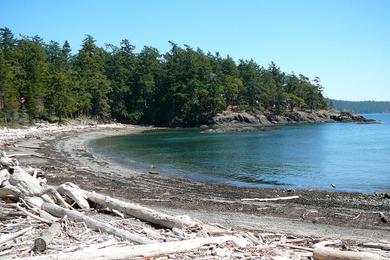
(354, 157)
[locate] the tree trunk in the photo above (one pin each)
(143, 213)
(129, 252)
(325, 253)
(46, 237)
(92, 223)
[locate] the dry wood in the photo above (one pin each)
(9, 237)
(325, 253)
(143, 213)
(29, 154)
(271, 199)
(18, 183)
(384, 219)
(6, 161)
(46, 237)
(377, 245)
(35, 172)
(75, 193)
(127, 252)
(32, 215)
(92, 223)
(298, 247)
(326, 243)
(27, 146)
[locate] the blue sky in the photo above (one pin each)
(344, 42)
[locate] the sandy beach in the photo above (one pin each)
(64, 156)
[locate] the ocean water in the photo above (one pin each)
(353, 157)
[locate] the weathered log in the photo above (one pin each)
(271, 199)
(29, 155)
(46, 237)
(18, 183)
(75, 193)
(32, 215)
(27, 146)
(35, 172)
(6, 161)
(128, 252)
(140, 212)
(377, 246)
(9, 237)
(92, 223)
(23, 184)
(326, 253)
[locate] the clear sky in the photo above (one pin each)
(344, 42)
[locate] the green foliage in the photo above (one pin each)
(184, 87)
(360, 107)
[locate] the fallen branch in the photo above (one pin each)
(27, 146)
(326, 243)
(271, 199)
(12, 236)
(143, 213)
(92, 223)
(32, 215)
(298, 247)
(325, 253)
(377, 246)
(30, 154)
(46, 237)
(127, 252)
(75, 193)
(384, 219)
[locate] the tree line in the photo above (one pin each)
(360, 107)
(182, 87)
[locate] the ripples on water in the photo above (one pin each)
(355, 157)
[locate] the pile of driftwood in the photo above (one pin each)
(40, 221)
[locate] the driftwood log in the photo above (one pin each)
(92, 223)
(128, 252)
(46, 237)
(143, 213)
(75, 193)
(12, 236)
(326, 253)
(271, 199)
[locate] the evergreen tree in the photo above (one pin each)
(93, 87)
(181, 87)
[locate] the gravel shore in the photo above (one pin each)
(64, 156)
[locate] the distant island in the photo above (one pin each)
(360, 107)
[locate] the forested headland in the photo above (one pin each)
(361, 107)
(182, 87)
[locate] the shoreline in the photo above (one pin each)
(343, 215)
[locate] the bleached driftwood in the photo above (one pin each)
(14, 181)
(92, 223)
(6, 161)
(271, 199)
(11, 236)
(377, 246)
(29, 155)
(75, 193)
(32, 215)
(326, 253)
(143, 213)
(27, 146)
(46, 237)
(326, 243)
(128, 252)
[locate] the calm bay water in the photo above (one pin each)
(354, 157)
